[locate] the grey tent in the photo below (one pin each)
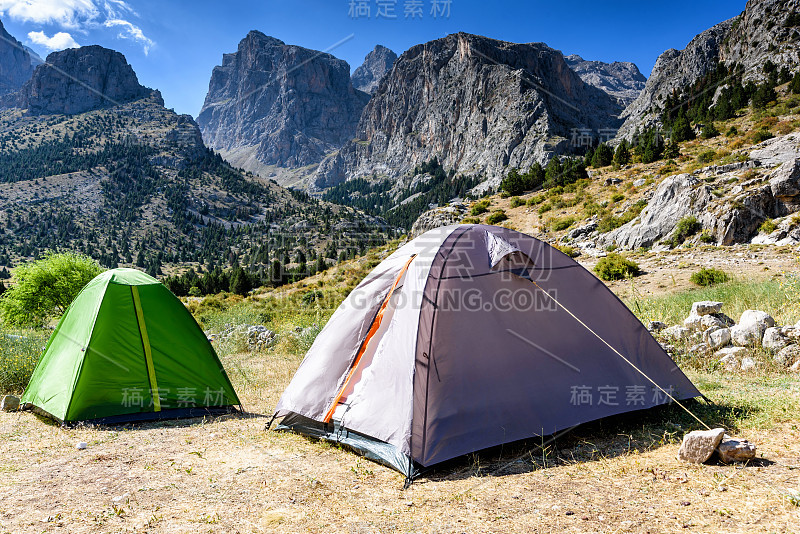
(468, 337)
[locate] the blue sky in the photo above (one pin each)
(174, 44)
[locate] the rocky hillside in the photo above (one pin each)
(16, 62)
(272, 106)
(77, 80)
(741, 186)
(480, 105)
(767, 30)
(133, 183)
(376, 65)
(620, 79)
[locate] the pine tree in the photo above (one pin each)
(622, 155)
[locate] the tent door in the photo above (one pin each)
(371, 343)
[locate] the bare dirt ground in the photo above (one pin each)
(230, 475)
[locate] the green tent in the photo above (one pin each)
(128, 350)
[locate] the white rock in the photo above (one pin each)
(747, 335)
(698, 446)
(796, 367)
(706, 307)
(756, 317)
(774, 339)
(677, 332)
(748, 363)
(735, 450)
(700, 348)
(709, 321)
(639, 183)
(81, 445)
(692, 322)
(730, 351)
(718, 338)
(787, 355)
(9, 403)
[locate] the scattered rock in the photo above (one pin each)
(612, 181)
(748, 363)
(796, 367)
(730, 362)
(677, 332)
(774, 339)
(9, 403)
(692, 322)
(81, 445)
(698, 446)
(734, 450)
(730, 351)
(747, 335)
(700, 348)
(709, 321)
(787, 355)
(706, 307)
(718, 338)
(726, 321)
(656, 326)
(639, 183)
(758, 317)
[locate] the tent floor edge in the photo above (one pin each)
(366, 446)
(149, 417)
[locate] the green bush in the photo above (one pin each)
(706, 156)
(479, 208)
(768, 226)
(536, 199)
(761, 135)
(497, 217)
(45, 288)
(562, 224)
(706, 237)
(709, 277)
(544, 208)
(516, 202)
(732, 132)
(471, 220)
(686, 227)
(616, 267)
(616, 197)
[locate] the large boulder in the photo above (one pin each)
(785, 187)
(676, 197)
(751, 328)
(718, 337)
(787, 355)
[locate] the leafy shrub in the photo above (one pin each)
(706, 237)
(616, 267)
(517, 202)
(471, 220)
(544, 208)
(534, 200)
(480, 208)
(686, 227)
(760, 135)
(497, 217)
(706, 156)
(616, 197)
(562, 224)
(768, 226)
(46, 287)
(709, 277)
(732, 131)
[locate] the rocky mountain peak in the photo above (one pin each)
(478, 104)
(377, 63)
(621, 79)
(273, 104)
(77, 80)
(16, 62)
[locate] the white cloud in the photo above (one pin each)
(59, 41)
(76, 16)
(130, 31)
(72, 14)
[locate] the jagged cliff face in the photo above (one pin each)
(271, 103)
(759, 34)
(16, 63)
(377, 63)
(479, 105)
(620, 79)
(77, 80)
